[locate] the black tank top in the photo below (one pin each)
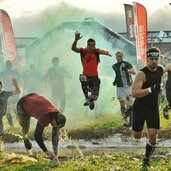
(168, 82)
(151, 100)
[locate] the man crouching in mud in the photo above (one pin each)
(37, 106)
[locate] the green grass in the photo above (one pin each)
(118, 161)
(105, 162)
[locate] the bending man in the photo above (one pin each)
(37, 106)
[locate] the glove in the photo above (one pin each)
(156, 88)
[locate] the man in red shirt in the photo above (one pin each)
(37, 106)
(89, 77)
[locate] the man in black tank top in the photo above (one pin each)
(168, 91)
(145, 90)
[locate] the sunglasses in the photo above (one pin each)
(91, 43)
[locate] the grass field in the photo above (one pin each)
(99, 127)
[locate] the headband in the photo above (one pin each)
(153, 54)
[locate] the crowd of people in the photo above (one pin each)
(139, 98)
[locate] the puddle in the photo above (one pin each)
(112, 144)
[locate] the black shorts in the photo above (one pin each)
(93, 84)
(150, 116)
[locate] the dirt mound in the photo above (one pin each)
(11, 138)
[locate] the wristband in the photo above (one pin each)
(149, 90)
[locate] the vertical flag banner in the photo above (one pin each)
(129, 17)
(9, 48)
(140, 24)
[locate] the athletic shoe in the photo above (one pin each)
(146, 162)
(165, 114)
(27, 144)
(87, 102)
(91, 105)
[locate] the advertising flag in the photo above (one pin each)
(140, 24)
(7, 38)
(129, 16)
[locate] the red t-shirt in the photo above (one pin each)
(89, 59)
(39, 107)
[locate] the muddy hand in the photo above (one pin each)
(56, 159)
(49, 155)
(77, 35)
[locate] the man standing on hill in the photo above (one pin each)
(145, 90)
(89, 79)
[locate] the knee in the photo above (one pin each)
(152, 138)
(94, 97)
(137, 135)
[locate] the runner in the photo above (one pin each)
(89, 79)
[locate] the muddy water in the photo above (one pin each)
(82, 147)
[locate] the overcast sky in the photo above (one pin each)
(17, 8)
(35, 17)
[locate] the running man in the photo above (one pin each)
(145, 90)
(123, 81)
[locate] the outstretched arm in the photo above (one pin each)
(74, 45)
(104, 52)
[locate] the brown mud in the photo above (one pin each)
(89, 134)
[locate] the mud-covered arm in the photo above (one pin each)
(55, 140)
(38, 135)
